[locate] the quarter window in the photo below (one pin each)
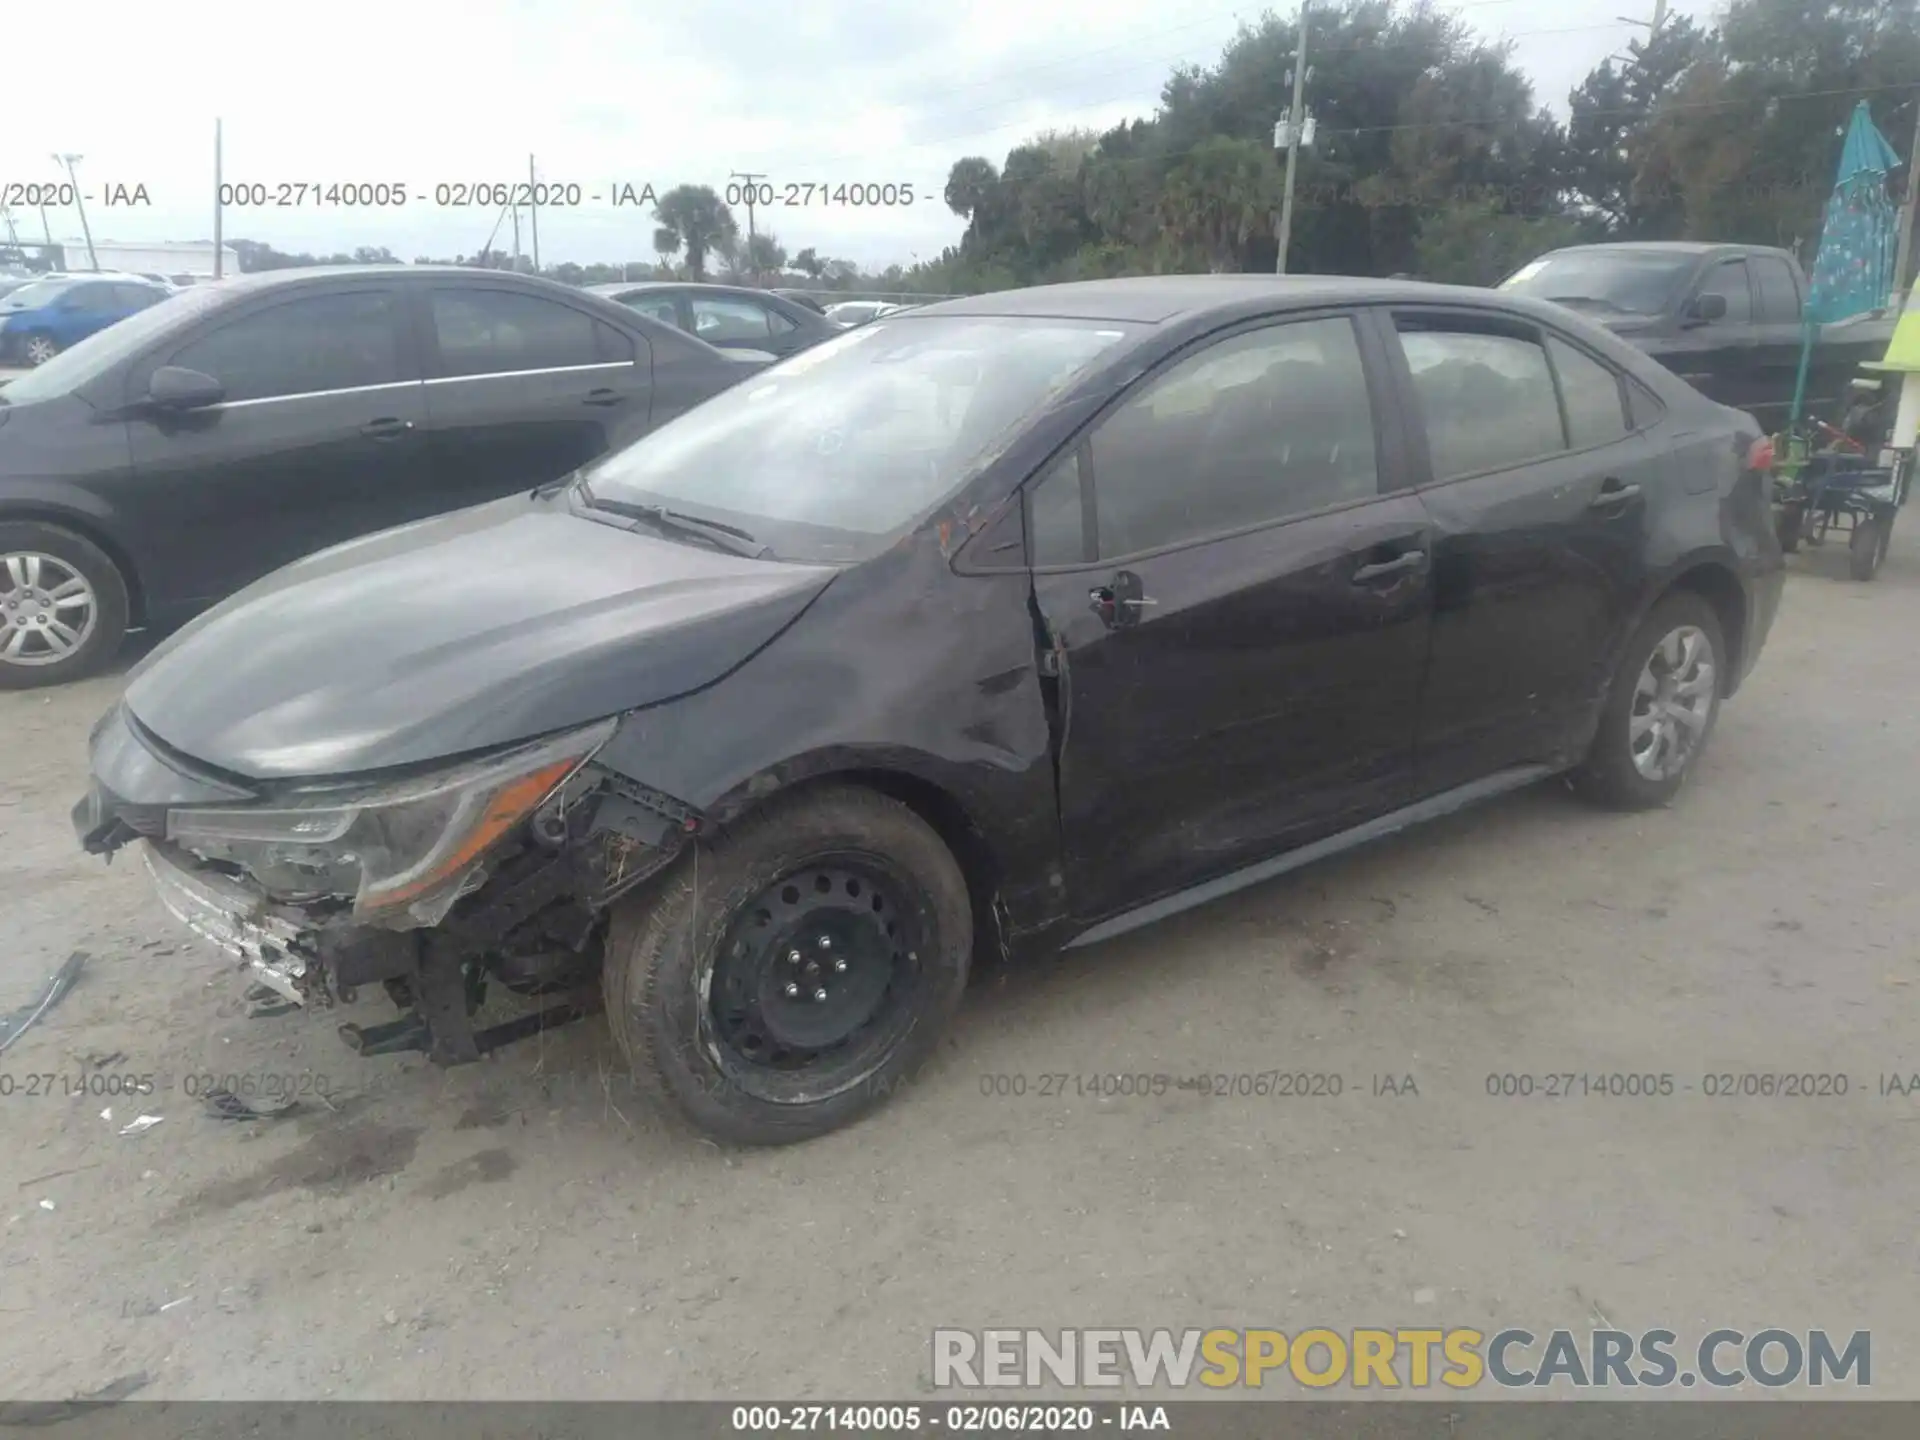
(1054, 525)
(1487, 399)
(327, 342)
(1269, 424)
(501, 332)
(1591, 394)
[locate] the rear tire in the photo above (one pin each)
(63, 606)
(1867, 547)
(704, 990)
(1660, 709)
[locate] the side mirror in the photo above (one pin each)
(175, 388)
(1708, 307)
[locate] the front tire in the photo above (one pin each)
(789, 974)
(1660, 709)
(63, 606)
(40, 348)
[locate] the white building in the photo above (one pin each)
(169, 259)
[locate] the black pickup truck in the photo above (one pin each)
(1725, 318)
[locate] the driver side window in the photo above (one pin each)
(1729, 278)
(1262, 426)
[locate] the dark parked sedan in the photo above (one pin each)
(163, 464)
(732, 317)
(1013, 622)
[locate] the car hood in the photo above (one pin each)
(457, 634)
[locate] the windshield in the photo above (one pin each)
(38, 293)
(837, 450)
(1628, 281)
(81, 362)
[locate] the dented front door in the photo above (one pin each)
(1220, 702)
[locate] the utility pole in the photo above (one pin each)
(1295, 117)
(1903, 251)
(752, 179)
(219, 211)
(80, 204)
(533, 211)
(1654, 28)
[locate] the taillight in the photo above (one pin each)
(1760, 454)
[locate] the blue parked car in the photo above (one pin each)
(41, 319)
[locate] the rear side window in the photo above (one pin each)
(501, 332)
(1487, 399)
(1267, 424)
(326, 342)
(1590, 392)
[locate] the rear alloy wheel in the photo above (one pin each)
(789, 974)
(63, 606)
(1867, 547)
(1660, 709)
(41, 348)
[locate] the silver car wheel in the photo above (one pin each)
(40, 349)
(1672, 703)
(47, 609)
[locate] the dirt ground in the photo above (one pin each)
(522, 1229)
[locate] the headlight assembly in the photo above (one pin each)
(403, 851)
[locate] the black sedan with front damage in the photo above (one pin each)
(1012, 622)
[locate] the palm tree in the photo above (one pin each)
(765, 255)
(1219, 197)
(694, 219)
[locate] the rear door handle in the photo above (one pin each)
(1410, 563)
(390, 427)
(604, 396)
(1613, 493)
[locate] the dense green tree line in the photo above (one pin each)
(1434, 157)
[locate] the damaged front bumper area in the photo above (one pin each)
(496, 869)
(278, 944)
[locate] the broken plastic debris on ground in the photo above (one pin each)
(13, 1026)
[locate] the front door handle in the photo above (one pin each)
(1411, 563)
(389, 427)
(1613, 493)
(604, 397)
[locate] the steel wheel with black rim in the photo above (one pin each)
(786, 976)
(1660, 708)
(63, 605)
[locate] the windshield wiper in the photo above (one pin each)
(727, 537)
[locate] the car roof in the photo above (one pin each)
(1156, 299)
(1666, 247)
(629, 287)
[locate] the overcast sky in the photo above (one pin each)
(612, 92)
